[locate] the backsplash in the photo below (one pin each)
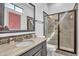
(15, 38)
(4, 41)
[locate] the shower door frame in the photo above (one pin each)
(44, 15)
(75, 32)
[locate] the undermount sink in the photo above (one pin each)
(25, 43)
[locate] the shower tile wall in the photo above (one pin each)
(52, 22)
(67, 32)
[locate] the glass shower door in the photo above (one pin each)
(53, 29)
(67, 31)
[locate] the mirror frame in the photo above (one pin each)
(34, 18)
(14, 31)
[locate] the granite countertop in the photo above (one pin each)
(11, 49)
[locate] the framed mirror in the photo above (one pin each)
(17, 17)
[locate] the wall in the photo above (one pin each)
(27, 11)
(59, 7)
(40, 7)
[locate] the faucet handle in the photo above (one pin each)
(11, 39)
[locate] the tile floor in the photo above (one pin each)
(52, 51)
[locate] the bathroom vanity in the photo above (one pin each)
(35, 46)
(16, 38)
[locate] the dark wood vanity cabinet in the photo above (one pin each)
(44, 49)
(39, 50)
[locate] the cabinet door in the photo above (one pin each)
(38, 53)
(44, 49)
(33, 51)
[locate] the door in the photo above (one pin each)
(67, 32)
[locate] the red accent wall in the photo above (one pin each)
(14, 21)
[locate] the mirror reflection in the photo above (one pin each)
(30, 21)
(18, 16)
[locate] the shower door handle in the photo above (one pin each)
(59, 31)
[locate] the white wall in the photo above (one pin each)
(59, 7)
(27, 11)
(40, 7)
